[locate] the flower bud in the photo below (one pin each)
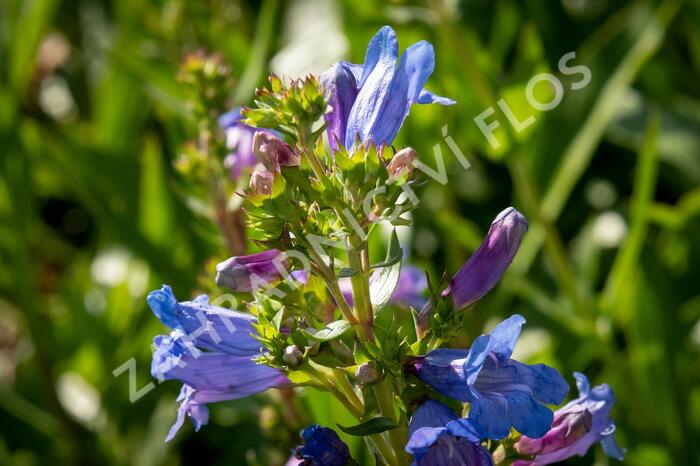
(489, 262)
(567, 428)
(261, 182)
(292, 356)
(366, 373)
(402, 163)
(246, 273)
(273, 152)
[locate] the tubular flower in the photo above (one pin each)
(371, 101)
(247, 273)
(211, 327)
(502, 391)
(322, 447)
(489, 262)
(226, 370)
(578, 425)
(438, 437)
(239, 140)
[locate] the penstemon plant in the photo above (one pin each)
(321, 314)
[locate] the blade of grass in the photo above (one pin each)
(579, 153)
(625, 264)
(264, 33)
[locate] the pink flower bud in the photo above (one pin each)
(261, 182)
(402, 163)
(273, 152)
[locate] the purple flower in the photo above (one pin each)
(578, 425)
(322, 447)
(489, 262)
(502, 391)
(371, 101)
(247, 273)
(239, 139)
(225, 370)
(438, 437)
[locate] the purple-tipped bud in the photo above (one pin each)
(486, 266)
(273, 152)
(247, 273)
(261, 182)
(366, 373)
(340, 87)
(402, 163)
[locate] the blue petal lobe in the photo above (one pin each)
(427, 97)
(611, 448)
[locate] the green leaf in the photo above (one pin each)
(277, 320)
(329, 332)
(387, 276)
(373, 426)
(393, 253)
(384, 284)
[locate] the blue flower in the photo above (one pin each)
(239, 140)
(578, 425)
(212, 351)
(322, 447)
(371, 101)
(211, 327)
(438, 437)
(502, 391)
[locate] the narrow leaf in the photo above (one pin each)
(373, 426)
(393, 252)
(329, 332)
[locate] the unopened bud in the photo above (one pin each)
(292, 356)
(273, 152)
(402, 163)
(366, 373)
(489, 262)
(261, 182)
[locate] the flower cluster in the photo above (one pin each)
(320, 313)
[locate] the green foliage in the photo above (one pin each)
(289, 108)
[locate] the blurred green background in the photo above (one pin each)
(93, 216)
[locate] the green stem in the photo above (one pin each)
(328, 277)
(356, 250)
(341, 388)
(398, 436)
(341, 378)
